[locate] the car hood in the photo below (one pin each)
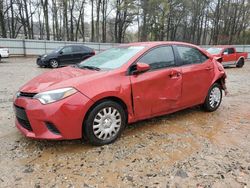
(60, 78)
(51, 54)
(216, 55)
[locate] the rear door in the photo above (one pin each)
(158, 90)
(197, 75)
(78, 54)
(229, 56)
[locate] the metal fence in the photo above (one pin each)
(38, 47)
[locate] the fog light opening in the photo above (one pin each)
(52, 128)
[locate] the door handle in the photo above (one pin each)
(174, 74)
(209, 68)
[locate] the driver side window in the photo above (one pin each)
(229, 51)
(160, 57)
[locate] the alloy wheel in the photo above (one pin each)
(215, 97)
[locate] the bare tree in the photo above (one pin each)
(46, 17)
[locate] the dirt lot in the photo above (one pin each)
(190, 148)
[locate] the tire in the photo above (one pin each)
(54, 63)
(104, 123)
(213, 99)
(240, 63)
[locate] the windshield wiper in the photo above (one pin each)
(90, 67)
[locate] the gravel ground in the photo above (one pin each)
(190, 148)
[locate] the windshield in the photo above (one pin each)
(112, 58)
(214, 50)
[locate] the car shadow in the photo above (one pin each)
(130, 130)
(3, 61)
(231, 67)
(148, 123)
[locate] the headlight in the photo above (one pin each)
(54, 95)
(43, 57)
(17, 94)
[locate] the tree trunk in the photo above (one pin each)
(92, 22)
(46, 17)
(104, 19)
(2, 21)
(144, 31)
(65, 20)
(97, 29)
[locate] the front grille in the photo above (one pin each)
(38, 61)
(52, 128)
(28, 95)
(22, 117)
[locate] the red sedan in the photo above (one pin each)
(97, 98)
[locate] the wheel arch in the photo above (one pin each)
(221, 81)
(54, 58)
(241, 57)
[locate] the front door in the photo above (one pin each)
(66, 55)
(229, 56)
(78, 54)
(158, 90)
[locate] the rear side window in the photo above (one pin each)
(67, 49)
(159, 57)
(77, 49)
(191, 55)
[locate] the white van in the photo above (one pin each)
(4, 52)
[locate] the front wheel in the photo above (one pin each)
(214, 98)
(54, 63)
(104, 123)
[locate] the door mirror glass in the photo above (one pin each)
(141, 67)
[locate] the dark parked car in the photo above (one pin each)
(70, 54)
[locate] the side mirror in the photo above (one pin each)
(61, 52)
(225, 53)
(141, 67)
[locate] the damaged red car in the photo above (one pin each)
(95, 99)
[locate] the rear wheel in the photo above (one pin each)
(54, 63)
(240, 63)
(104, 123)
(214, 98)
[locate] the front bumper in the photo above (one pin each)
(60, 120)
(42, 62)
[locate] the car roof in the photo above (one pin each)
(223, 46)
(80, 45)
(156, 43)
(75, 45)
